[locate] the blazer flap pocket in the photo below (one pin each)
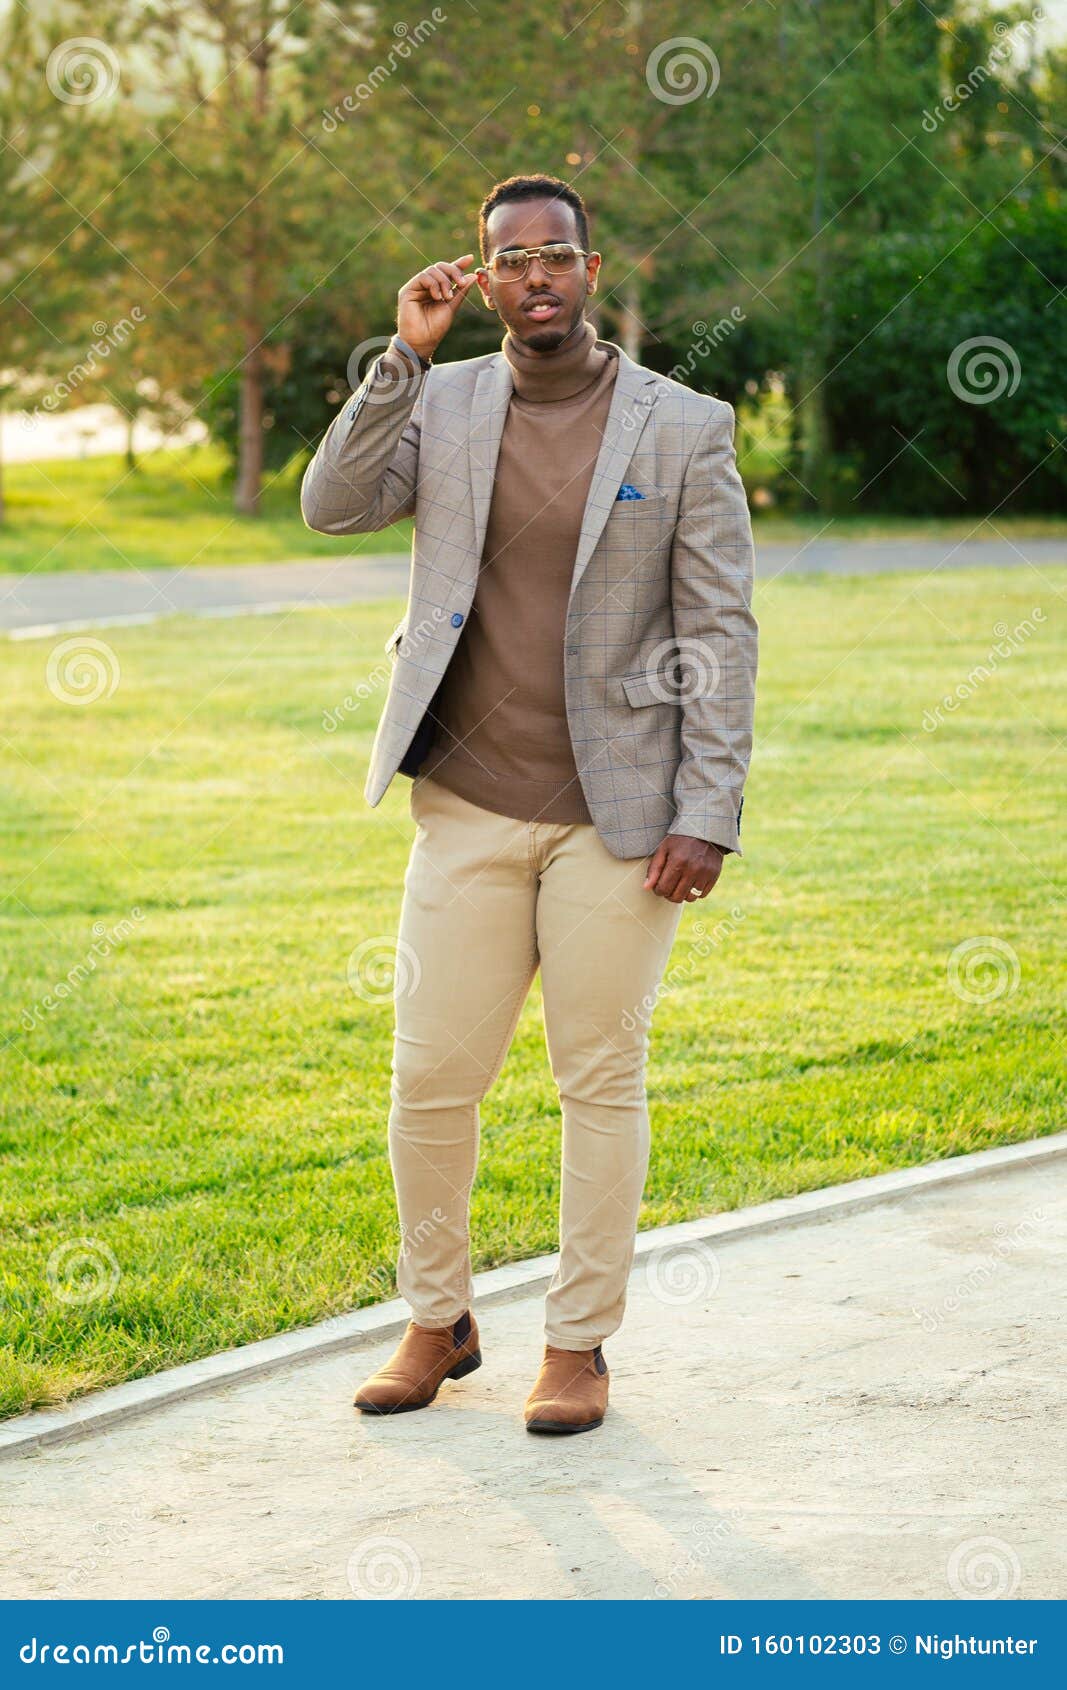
(645, 689)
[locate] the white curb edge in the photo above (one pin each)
(144, 618)
(117, 1403)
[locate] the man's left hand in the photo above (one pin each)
(683, 869)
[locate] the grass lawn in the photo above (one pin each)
(177, 510)
(193, 1120)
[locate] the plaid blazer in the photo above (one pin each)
(660, 644)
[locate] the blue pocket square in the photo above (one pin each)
(628, 492)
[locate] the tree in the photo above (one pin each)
(46, 247)
(234, 195)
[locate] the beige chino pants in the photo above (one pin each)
(487, 900)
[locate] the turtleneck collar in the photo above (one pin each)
(555, 375)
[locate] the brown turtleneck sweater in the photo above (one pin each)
(503, 741)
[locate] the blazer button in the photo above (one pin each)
(457, 618)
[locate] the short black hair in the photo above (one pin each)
(533, 188)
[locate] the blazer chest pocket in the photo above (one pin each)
(643, 521)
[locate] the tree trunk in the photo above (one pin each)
(629, 330)
(3, 512)
(813, 429)
(131, 457)
(250, 446)
(815, 433)
(253, 374)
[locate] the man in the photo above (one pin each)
(581, 536)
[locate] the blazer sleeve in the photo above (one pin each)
(712, 567)
(364, 474)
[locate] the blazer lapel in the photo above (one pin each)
(631, 406)
(632, 399)
(492, 395)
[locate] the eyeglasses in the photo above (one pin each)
(557, 259)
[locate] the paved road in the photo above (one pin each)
(864, 1406)
(41, 604)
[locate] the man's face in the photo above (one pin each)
(535, 223)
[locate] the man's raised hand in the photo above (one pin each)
(426, 306)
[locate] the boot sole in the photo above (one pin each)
(562, 1425)
(460, 1371)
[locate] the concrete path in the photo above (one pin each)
(36, 605)
(869, 1406)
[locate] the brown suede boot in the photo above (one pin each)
(424, 1356)
(570, 1393)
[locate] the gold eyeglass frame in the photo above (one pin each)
(532, 252)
